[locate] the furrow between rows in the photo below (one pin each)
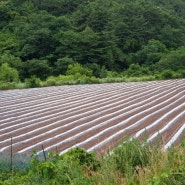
(99, 125)
(96, 117)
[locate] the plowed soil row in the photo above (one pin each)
(96, 117)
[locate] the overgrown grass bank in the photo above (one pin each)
(130, 163)
(83, 79)
(78, 74)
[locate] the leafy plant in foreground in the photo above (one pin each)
(84, 158)
(131, 155)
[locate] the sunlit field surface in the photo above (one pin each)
(95, 117)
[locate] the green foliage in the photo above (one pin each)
(77, 70)
(167, 74)
(84, 158)
(175, 171)
(62, 65)
(58, 7)
(137, 71)
(11, 60)
(130, 163)
(8, 74)
(181, 73)
(174, 60)
(39, 68)
(70, 40)
(64, 169)
(32, 82)
(6, 86)
(8, 41)
(151, 53)
(5, 7)
(131, 155)
(104, 36)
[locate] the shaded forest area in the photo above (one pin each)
(44, 37)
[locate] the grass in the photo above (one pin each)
(82, 79)
(54, 81)
(132, 163)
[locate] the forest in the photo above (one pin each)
(44, 39)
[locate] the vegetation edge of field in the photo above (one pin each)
(130, 163)
(79, 74)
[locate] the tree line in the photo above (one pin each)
(43, 38)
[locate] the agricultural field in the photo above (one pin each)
(96, 117)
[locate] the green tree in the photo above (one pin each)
(150, 53)
(78, 70)
(80, 46)
(8, 74)
(39, 68)
(58, 7)
(38, 44)
(109, 34)
(174, 60)
(62, 65)
(5, 7)
(32, 82)
(136, 70)
(36, 40)
(8, 42)
(11, 60)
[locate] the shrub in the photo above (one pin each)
(8, 74)
(78, 70)
(167, 74)
(86, 159)
(135, 70)
(181, 73)
(50, 81)
(65, 169)
(33, 82)
(7, 85)
(174, 60)
(131, 163)
(62, 65)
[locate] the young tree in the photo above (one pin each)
(78, 70)
(39, 68)
(8, 74)
(62, 65)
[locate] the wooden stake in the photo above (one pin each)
(44, 152)
(11, 155)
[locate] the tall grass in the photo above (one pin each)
(129, 164)
(83, 79)
(135, 163)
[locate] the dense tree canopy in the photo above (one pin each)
(43, 37)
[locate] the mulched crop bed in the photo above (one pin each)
(95, 117)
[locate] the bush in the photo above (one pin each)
(181, 73)
(78, 70)
(8, 74)
(50, 81)
(131, 163)
(174, 60)
(62, 65)
(6, 85)
(65, 80)
(66, 169)
(135, 70)
(37, 67)
(86, 159)
(167, 74)
(33, 82)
